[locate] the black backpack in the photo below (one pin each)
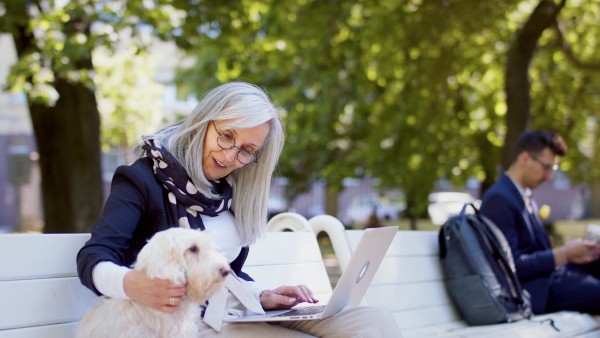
(479, 271)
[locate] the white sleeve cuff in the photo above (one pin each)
(108, 278)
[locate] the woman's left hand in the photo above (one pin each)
(285, 297)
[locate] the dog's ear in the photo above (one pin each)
(163, 257)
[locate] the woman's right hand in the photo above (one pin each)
(286, 297)
(155, 293)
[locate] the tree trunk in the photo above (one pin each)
(68, 138)
(594, 207)
(416, 203)
(518, 101)
(489, 161)
(331, 200)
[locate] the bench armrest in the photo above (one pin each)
(336, 232)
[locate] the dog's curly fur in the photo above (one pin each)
(176, 254)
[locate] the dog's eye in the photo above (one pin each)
(194, 249)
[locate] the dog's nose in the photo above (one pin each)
(224, 272)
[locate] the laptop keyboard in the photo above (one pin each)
(305, 310)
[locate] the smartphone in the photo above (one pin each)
(592, 232)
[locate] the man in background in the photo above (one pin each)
(563, 278)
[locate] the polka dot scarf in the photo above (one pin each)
(186, 204)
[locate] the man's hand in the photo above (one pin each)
(285, 297)
(155, 293)
(580, 251)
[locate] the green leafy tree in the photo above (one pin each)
(55, 70)
(128, 96)
(552, 82)
(405, 91)
(55, 41)
(408, 92)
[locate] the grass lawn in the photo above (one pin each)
(561, 231)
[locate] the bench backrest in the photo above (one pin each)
(41, 296)
(409, 281)
(289, 258)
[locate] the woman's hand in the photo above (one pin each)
(155, 293)
(285, 297)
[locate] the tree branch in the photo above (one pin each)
(560, 42)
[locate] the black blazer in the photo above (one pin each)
(134, 211)
(529, 242)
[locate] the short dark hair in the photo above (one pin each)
(534, 142)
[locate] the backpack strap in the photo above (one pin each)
(482, 226)
(442, 236)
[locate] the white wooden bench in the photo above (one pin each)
(409, 283)
(41, 296)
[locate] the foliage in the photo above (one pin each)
(54, 42)
(128, 96)
(406, 91)
(123, 72)
(565, 79)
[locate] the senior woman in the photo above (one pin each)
(210, 171)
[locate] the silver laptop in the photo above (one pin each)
(351, 287)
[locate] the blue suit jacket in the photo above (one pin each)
(530, 244)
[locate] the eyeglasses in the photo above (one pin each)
(226, 141)
(547, 167)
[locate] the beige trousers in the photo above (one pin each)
(361, 321)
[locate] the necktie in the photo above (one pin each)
(528, 204)
(538, 231)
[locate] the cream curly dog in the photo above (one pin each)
(176, 254)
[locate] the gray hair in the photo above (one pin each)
(249, 106)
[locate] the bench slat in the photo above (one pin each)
(398, 270)
(425, 317)
(405, 297)
(437, 330)
(312, 275)
(47, 331)
(285, 248)
(406, 243)
(289, 258)
(28, 256)
(592, 334)
(569, 323)
(42, 302)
